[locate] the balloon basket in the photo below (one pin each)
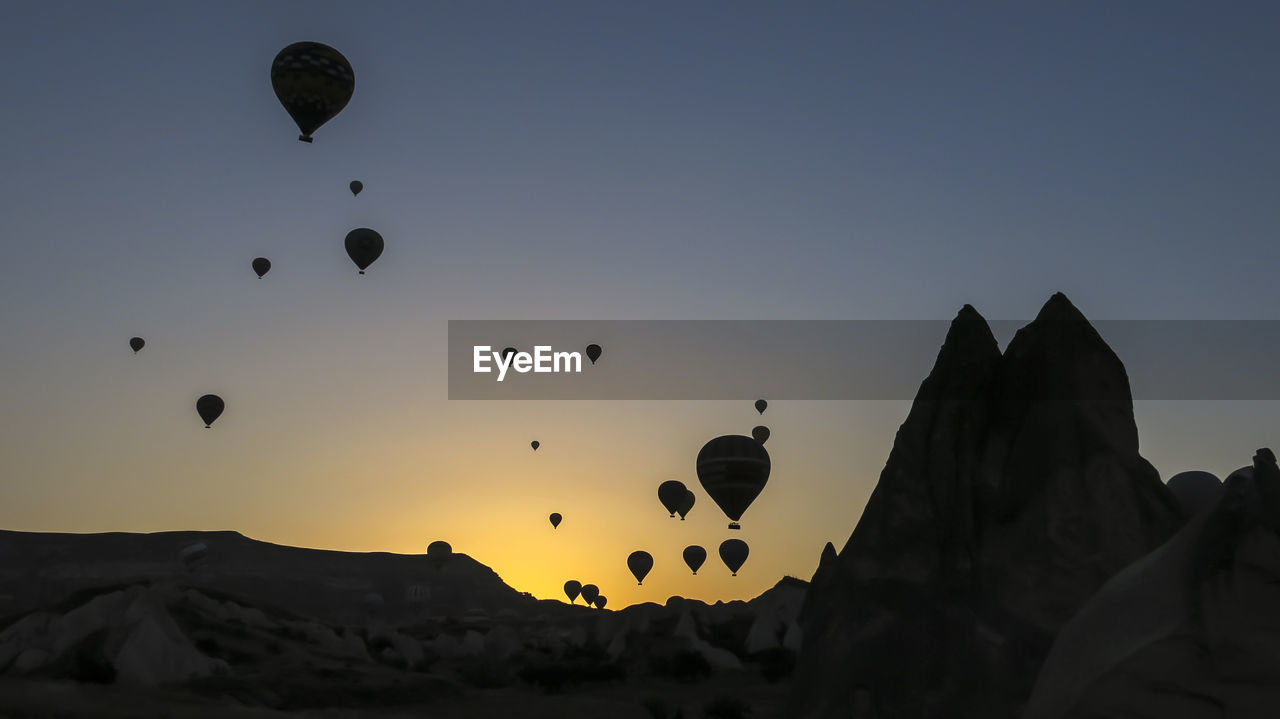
(305, 138)
(734, 525)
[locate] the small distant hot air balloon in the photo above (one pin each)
(686, 504)
(313, 82)
(671, 493)
(760, 433)
(694, 556)
(535, 444)
(439, 551)
(733, 469)
(593, 352)
(137, 343)
(555, 519)
(209, 407)
(356, 187)
(572, 589)
(639, 562)
(507, 352)
(363, 247)
(601, 601)
(193, 556)
(589, 593)
(734, 553)
(1196, 491)
(761, 405)
(261, 266)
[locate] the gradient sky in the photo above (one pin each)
(583, 160)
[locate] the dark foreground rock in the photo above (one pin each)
(1014, 490)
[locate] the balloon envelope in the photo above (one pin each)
(507, 352)
(572, 589)
(1195, 491)
(593, 352)
(686, 504)
(261, 266)
(555, 519)
(356, 187)
(671, 493)
(640, 562)
(313, 82)
(733, 552)
(535, 444)
(601, 601)
(733, 469)
(137, 343)
(589, 593)
(439, 548)
(694, 556)
(760, 433)
(209, 407)
(363, 247)
(761, 405)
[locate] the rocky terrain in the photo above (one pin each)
(1014, 491)
(244, 627)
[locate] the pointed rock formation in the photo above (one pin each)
(1013, 491)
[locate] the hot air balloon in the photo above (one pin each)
(356, 187)
(761, 405)
(733, 470)
(639, 562)
(209, 407)
(671, 493)
(136, 343)
(439, 552)
(734, 552)
(601, 601)
(363, 247)
(572, 589)
(535, 444)
(507, 352)
(589, 592)
(686, 504)
(555, 519)
(593, 352)
(760, 433)
(261, 266)
(313, 82)
(694, 556)
(193, 556)
(1195, 491)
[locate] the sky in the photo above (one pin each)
(583, 160)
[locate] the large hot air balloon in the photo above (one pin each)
(593, 352)
(734, 553)
(761, 405)
(589, 593)
(1195, 491)
(601, 601)
(639, 562)
(261, 266)
(760, 434)
(555, 519)
(535, 444)
(686, 504)
(733, 470)
(363, 247)
(694, 556)
(136, 343)
(313, 82)
(209, 407)
(572, 589)
(671, 493)
(356, 187)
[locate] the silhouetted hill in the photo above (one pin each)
(1013, 491)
